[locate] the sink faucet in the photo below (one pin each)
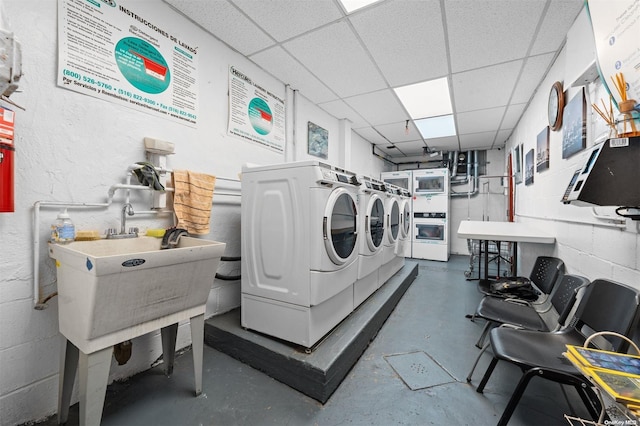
(127, 209)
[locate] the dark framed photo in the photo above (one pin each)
(517, 163)
(318, 141)
(574, 126)
(528, 168)
(542, 151)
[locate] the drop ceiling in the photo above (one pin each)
(495, 53)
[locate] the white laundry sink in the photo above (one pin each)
(114, 289)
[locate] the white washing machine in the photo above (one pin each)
(392, 233)
(371, 200)
(299, 249)
(401, 178)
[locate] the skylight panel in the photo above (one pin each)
(353, 5)
(436, 127)
(426, 99)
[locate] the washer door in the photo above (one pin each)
(374, 223)
(340, 226)
(393, 221)
(406, 219)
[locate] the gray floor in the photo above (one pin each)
(413, 373)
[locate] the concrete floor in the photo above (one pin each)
(427, 324)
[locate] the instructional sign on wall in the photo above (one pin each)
(123, 52)
(616, 31)
(255, 114)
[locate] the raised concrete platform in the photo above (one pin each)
(319, 373)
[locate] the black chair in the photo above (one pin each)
(522, 314)
(605, 306)
(543, 276)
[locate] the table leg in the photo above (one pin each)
(69, 355)
(514, 263)
(486, 259)
(94, 374)
(197, 347)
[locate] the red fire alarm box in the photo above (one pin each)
(6, 161)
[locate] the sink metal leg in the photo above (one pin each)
(197, 347)
(94, 375)
(169, 335)
(68, 366)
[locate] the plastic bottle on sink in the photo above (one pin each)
(63, 230)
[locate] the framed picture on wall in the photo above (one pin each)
(318, 141)
(574, 126)
(528, 168)
(542, 157)
(517, 164)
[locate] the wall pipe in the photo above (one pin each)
(472, 178)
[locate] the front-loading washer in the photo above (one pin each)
(403, 248)
(299, 249)
(371, 200)
(392, 233)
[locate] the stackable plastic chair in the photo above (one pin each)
(605, 306)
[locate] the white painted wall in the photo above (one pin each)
(588, 246)
(72, 147)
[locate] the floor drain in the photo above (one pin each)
(418, 370)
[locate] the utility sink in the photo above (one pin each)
(111, 290)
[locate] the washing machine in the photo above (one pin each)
(431, 202)
(392, 233)
(299, 249)
(371, 200)
(401, 178)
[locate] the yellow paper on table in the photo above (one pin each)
(192, 200)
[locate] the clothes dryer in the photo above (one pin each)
(371, 200)
(299, 249)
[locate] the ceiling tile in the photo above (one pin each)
(501, 138)
(381, 107)
(279, 63)
(485, 87)
(225, 22)
(340, 110)
(284, 19)
(479, 121)
(390, 152)
(450, 143)
(483, 140)
(397, 132)
(370, 134)
(534, 70)
(512, 116)
(406, 39)
(557, 21)
(485, 32)
(335, 56)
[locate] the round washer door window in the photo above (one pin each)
(340, 226)
(406, 219)
(394, 221)
(375, 223)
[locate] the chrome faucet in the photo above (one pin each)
(127, 209)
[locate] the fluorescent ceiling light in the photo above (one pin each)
(426, 99)
(436, 127)
(351, 5)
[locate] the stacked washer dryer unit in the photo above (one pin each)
(371, 200)
(299, 249)
(392, 233)
(430, 229)
(404, 180)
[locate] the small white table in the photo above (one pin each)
(515, 232)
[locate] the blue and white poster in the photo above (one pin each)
(255, 114)
(125, 52)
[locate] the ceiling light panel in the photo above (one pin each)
(436, 127)
(353, 5)
(426, 99)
